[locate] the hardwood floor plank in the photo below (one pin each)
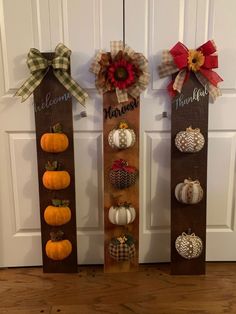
(28, 310)
(151, 290)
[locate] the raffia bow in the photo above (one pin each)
(39, 66)
(102, 68)
(182, 61)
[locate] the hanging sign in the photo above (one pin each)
(52, 87)
(193, 82)
(121, 76)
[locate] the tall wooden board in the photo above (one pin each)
(189, 108)
(113, 114)
(53, 104)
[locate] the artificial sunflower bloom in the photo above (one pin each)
(195, 60)
(121, 74)
(123, 125)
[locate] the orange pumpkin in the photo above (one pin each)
(58, 249)
(54, 142)
(55, 179)
(58, 213)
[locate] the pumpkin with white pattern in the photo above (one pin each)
(190, 140)
(123, 137)
(189, 246)
(189, 192)
(122, 214)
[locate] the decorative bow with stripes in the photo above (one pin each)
(39, 66)
(182, 61)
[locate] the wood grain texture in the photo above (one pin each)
(151, 290)
(184, 166)
(45, 118)
(113, 195)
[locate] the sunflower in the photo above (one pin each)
(123, 125)
(121, 73)
(195, 60)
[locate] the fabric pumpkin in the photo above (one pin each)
(189, 246)
(58, 213)
(122, 214)
(122, 138)
(121, 175)
(58, 249)
(189, 192)
(189, 141)
(55, 179)
(54, 142)
(122, 248)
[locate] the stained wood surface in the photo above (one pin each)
(113, 195)
(184, 166)
(151, 290)
(44, 119)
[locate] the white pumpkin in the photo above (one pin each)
(189, 192)
(189, 141)
(122, 214)
(122, 138)
(189, 246)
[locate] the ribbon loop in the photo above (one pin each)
(38, 66)
(182, 61)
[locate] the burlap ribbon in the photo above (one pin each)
(39, 66)
(138, 59)
(178, 60)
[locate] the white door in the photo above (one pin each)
(85, 27)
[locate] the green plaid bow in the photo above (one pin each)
(39, 66)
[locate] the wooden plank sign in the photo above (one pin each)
(189, 110)
(121, 188)
(53, 105)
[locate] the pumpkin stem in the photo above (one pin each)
(57, 128)
(53, 165)
(190, 129)
(60, 203)
(56, 235)
(56, 202)
(126, 204)
(189, 231)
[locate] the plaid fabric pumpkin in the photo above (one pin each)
(121, 175)
(122, 248)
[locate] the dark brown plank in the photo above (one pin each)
(111, 194)
(47, 114)
(183, 166)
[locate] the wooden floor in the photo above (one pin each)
(151, 290)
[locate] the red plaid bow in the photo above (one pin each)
(200, 61)
(121, 164)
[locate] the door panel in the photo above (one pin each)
(85, 27)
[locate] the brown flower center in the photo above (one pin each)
(121, 74)
(194, 60)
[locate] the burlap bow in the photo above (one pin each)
(104, 60)
(39, 67)
(182, 61)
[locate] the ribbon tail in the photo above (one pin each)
(67, 81)
(170, 89)
(30, 85)
(179, 81)
(122, 95)
(213, 91)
